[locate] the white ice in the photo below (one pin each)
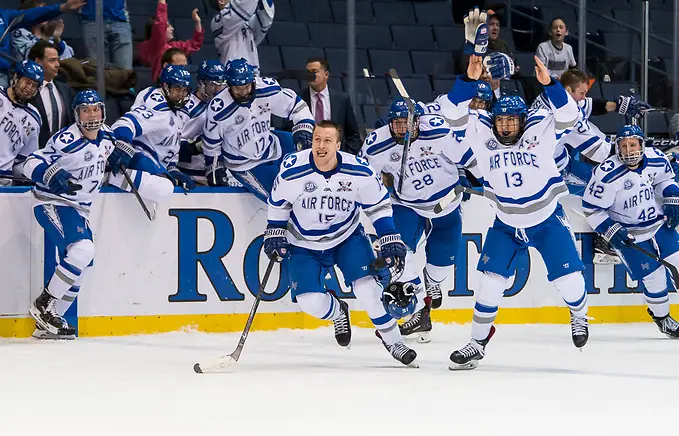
(532, 382)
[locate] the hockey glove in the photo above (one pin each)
(674, 162)
(276, 245)
(302, 135)
(632, 106)
(475, 32)
(120, 156)
(393, 250)
(181, 179)
(499, 65)
(59, 181)
(617, 236)
(464, 182)
(215, 172)
(670, 208)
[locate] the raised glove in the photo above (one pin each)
(475, 32)
(302, 135)
(120, 156)
(276, 245)
(632, 106)
(181, 179)
(499, 65)
(215, 172)
(617, 236)
(59, 181)
(393, 250)
(670, 208)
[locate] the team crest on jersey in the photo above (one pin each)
(88, 156)
(171, 122)
(310, 186)
(66, 137)
(269, 81)
(240, 119)
(530, 142)
(289, 161)
(370, 140)
(492, 144)
(362, 161)
(217, 104)
(607, 166)
(395, 157)
(426, 150)
(436, 121)
(157, 98)
(264, 108)
(345, 185)
(628, 185)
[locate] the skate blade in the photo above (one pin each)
(47, 336)
(463, 366)
(605, 259)
(35, 314)
(412, 365)
(420, 338)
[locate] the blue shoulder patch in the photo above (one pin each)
(356, 170)
(297, 172)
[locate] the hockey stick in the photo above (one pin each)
(409, 129)
(17, 179)
(367, 76)
(12, 24)
(452, 195)
(232, 358)
(128, 179)
(660, 260)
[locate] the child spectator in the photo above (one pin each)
(160, 37)
(555, 53)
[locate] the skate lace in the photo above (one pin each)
(51, 307)
(413, 321)
(398, 350)
(669, 324)
(579, 326)
(341, 324)
(469, 350)
(434, 291)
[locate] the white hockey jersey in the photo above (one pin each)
(242, 134)
(196, 110)
(84, 159)
(322, 210)
(240, 27)
(632, 198)
(522, 180)
(585, 138)
(434, 160)
(19, 130)
(152, 127)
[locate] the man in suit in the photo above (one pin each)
(55, 97)
(330, 104)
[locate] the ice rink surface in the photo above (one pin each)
(298, 382)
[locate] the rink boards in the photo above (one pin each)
(197, 266)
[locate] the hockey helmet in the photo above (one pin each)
(509, 114)
(82, 100)
(484, 94)
(628, 152)
(240, 76)
(175, 81)
(398, 119)
(399, 299)
(211, 78)
(27, 80)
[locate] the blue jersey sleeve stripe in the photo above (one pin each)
(241, 13)
(358, 170)
(72, 146)
(138, 131)
(226, 112)
(380, 147)
(587, 144)
(537, 195)
(467, 157)
(611, 176)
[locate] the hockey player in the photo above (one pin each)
(68, 174)
(514, 149)
(239, 27)
(314, 220)
(237, 132)
(633, 198)
(149, 134)
(19, 121)
(435, 167)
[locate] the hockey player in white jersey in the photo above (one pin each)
(149, 136)
(68, 174)
(237, 131)
(19, 121)
(314, 222)
(514, 150)
(435, 167)
(239, 27)
(632, 198)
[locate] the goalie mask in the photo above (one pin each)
(399, 299)
(398, 120)
(629, 145)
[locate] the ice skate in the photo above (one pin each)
(604, 253)
(433, 292)
(667, 325)
(402, 353)
(343, 325)
(65, 334)
(579, 330)
(468, 356)
(45, 314)
(418, 327)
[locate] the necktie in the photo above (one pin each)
(55, 108)
(319, 108)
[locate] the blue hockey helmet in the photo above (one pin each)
(399, 299)
(211, 78)
(398, 116)
(509, 118)
(484, 94)
(629, 154)
(27, 80)
(175, 81)
(82, 100)
(240, 76)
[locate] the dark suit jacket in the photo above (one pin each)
(342, 113)
(67, 117)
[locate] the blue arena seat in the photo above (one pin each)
(612, 90)
(339, 61)
(566, 13)
(184, 27)
(443, 86)
(269, 58)
(379, 87)
(382, 60)
(449, 37)
(328, 35)
(316, 11)
(370, 116)
(112, 110)
(294, 58)
(206, 53)
(144, 78)
(288, 33)
(418, 88)
(512, 87)
(183, 8)
(609, 123)
(433, 62)
(394, 13)
(138, 25)
(433, 13)
(656, 123)
(142, 8)
(283, 10)
(413, 37)
(373, 36)
(363, 13)
(526, 63)
(292, 84)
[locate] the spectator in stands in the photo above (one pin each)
(239, 27)
(54, 98)
(330, 104)
(173, 56)
(160, 37)
(23, 39)
(117, 32)
(495, 44)
(555, 53)
(31, 17)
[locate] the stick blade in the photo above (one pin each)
(214, 366)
